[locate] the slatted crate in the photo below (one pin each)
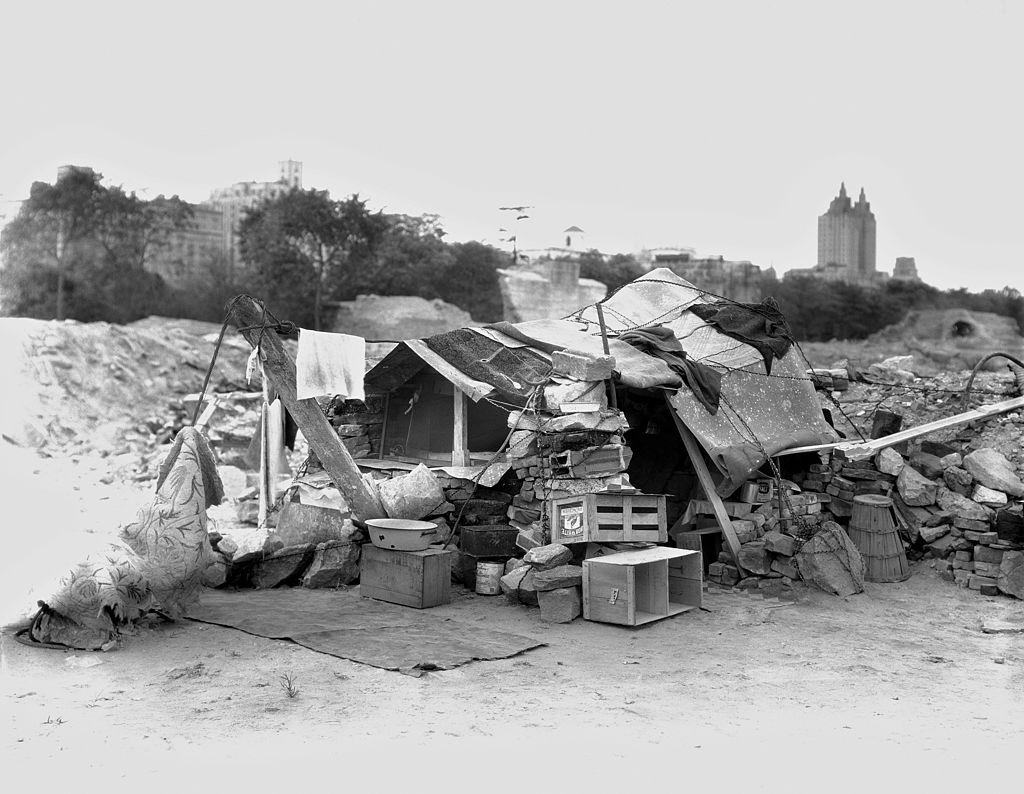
(608, 517)
(631, 588)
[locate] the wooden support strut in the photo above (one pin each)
(707, 484)
(279, 367)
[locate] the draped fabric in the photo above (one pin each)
(156, 563)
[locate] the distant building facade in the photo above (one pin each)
(905, 269)
(738, 280)
(548, 291)
(846, 239)
(234, 200)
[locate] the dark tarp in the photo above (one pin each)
(342, 624)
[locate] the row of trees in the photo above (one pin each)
(81, 250)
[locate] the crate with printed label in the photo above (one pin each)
(631, 588)
(609, 517)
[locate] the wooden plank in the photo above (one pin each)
(279, 367)
(693, 449)
(460, 433)
(859, 450)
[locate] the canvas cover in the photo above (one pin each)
(759, 415)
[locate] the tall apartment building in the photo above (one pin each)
(846, 239)
(234, 200)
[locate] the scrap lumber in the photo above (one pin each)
(696, 454)
(279, 367)
(861, 450)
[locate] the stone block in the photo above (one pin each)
(1011, 574)
(561, 605)
(929, 465)
(960, 506)
(988, 538)
(558, 577)
(962, 577)
(915, 489)
(941, 547)
(988, 497)
(966, 556)
(282, 567)
(959, 480)
(754, 557)
(582, 366)
(549, 556)
(519, 586)
(986, 554)
(889, 461)
(987, 569)
(413, 495)
(993, 470)
(952, 459)
(335, 563)
(972, 528)
(976, 582)
(777, 543)
(786, 566)
(931, 534)
(831, 561)
(216, 573)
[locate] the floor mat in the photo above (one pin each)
(342, 624)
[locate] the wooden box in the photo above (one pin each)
(609, 517)
(418, 579)
(631, 588)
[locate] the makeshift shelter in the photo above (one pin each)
(448, 395)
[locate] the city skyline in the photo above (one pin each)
(716, 129)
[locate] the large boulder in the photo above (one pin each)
(992, 469)
(1011, 574)
(962, 507)
(914, 488)
(889, 461)
(831, 561)
(282, 566)
(335, 563)
(413, 495)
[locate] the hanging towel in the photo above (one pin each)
(329, 364)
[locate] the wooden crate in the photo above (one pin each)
(418, 579)
(609, 517)
(631, 588)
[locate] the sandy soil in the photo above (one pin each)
(762, 694)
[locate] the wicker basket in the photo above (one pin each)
(873, 531)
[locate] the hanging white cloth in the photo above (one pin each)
(329, 364)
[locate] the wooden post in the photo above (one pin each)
(707, 484)
(460, 436)
(279, 367)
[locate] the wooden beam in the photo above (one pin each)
(859, 450)
(707, 484)
(460, 433)
(279, 367)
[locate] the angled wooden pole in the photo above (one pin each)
(707, 484)
(279, 367)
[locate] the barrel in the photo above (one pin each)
(488, 577)
(873, 531)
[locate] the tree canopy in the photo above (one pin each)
(80, 250)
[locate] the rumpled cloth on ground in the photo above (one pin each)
(156, 564)
(329, 364)
(660, 341)
(760, 325)
(512, 371)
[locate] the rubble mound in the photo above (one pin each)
(953, 338)
(398, 317)
(91, 385)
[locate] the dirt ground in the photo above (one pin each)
(896, 683)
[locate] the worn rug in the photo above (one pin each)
(341, 623)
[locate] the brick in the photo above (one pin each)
(986, 569)
(975, 582)
(987, 554)
(966, 556)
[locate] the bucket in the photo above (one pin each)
(488, 577)
(873, 531)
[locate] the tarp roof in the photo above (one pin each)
(759, 414)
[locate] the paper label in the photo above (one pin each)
(571, 521)
(614, 596)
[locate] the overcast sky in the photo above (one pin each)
(722, 126)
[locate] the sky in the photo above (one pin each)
(726, 127)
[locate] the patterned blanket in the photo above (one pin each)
(156, 564)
